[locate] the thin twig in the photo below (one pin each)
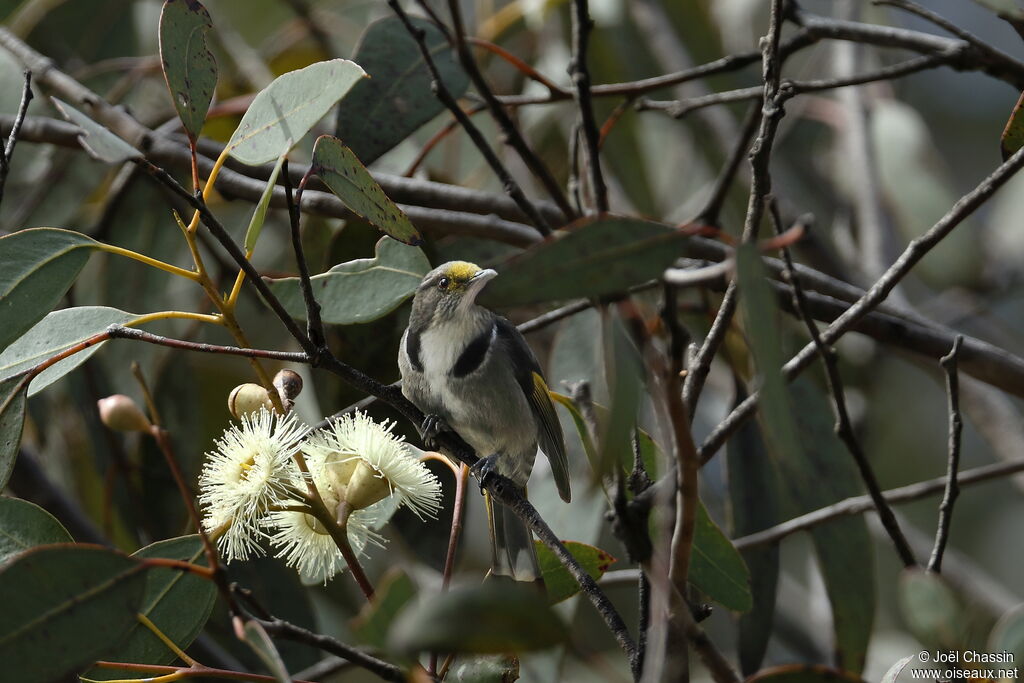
(122, 332)
(511, 133)
(509, 184)
(314, 325)
(709, 215)
(859, 504)
(844, 426)
(8, 151)
(914, 252)
(581, 27)
(955, 427)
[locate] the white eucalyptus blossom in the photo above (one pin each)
(250, 471)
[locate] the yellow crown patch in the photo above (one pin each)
(460, 271)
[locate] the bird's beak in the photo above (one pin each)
(477, 282)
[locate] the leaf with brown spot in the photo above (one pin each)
(189, 68)
(561, 585)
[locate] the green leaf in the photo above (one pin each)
(931, 610)
(397, 99)
(189, 68)
(1008, 634)
(581, 426)
(37, 267)
(561, 585)
(259, 214)
(487, 669)
(341, 171)
(1012, 138)
(716, 567)
(177, 602)
(24, 525)
(256, 637)
(896, 669)
(596, 258)
(755, 495)
(393, 592)
(98, 141)
(362, 290)
(283, 112)
(65, 606)
(12, 420)
(625, 371)
(483, 619)
(802, 673)
(56, 332)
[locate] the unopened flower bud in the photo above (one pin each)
(120, 413)
(366, 486)
(247, 399)
(288, 384)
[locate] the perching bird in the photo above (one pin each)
(470, 370)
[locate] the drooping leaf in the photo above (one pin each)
(97, 140)
(347, 178)
(177, 602)
(754, 494)
(12, 420)
(625, 371)
(397, 99)
(801, 673)
(1012, 138)
(482, 619)
(581, 426)
(259, 214)
(896, 669)
(931, 610)
(189, 68)
(391, 595)
(65, 606)
(58, 331)
(24, 525)
(283, 112)
(598, 257)
(716, 567)
(256, 637)
(362, 290)
(560, 584)
(37, 267)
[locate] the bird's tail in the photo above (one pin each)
(512, 551)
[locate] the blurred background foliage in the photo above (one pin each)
(933, 134)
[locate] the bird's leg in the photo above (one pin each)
(432, 426)
(485, 468)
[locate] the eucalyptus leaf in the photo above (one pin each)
(65, 606)
(256, 637)
(189, 68)
(97, 140)
(597, 257)
(12, 420)
(37, 267)
(58, 331)
(341, 171)
(362, 290)
(1012, 138)
(283, 112)
(560, 584)
(1008, 634)
(896, 669)
(177, 602)
(931, 610)
(480, 619)
(259, 214)
(397, 99)
(716, 567)
(25, 525)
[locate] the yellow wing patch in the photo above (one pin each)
(551, 440)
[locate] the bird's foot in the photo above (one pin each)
(432, 426)
(485, 469)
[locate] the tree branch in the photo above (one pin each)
(955, 426)
(581, 27)
(7, 153)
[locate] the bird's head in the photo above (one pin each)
(449, 290)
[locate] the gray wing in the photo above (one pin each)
(531, 381)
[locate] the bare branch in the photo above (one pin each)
(581, 27)
(8, 151)
(955, 426)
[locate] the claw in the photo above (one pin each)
(484, 469)
(432, 426)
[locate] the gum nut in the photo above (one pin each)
(120, 413)
(247, 399)
(366, 487)
(288, 384)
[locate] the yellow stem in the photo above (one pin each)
(214, 319)
(237, 288)
(174, 270)
(171, 645)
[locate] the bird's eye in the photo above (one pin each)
(443, 283)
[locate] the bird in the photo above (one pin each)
(471, 371)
